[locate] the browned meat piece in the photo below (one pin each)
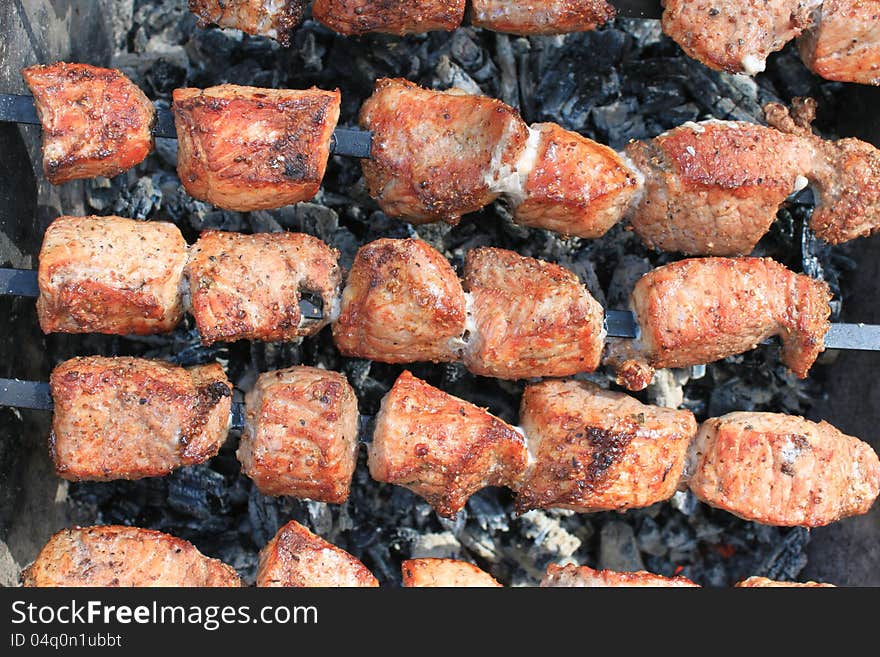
(445, 573)
(389, 16)
(585, 577)
(128, 418)
(735, 36)
(783, 470)
(704, 309)
(297, 557)
(246, 148)
(110, 275)
(402, 303)
(438, 155)
(844, 43)
(300, 434)
(124, 556)
(763, 582)
(575, 186)
(530, 318)
(270, 18)
(541, 16)
(595, 450)
(442, 448)
(248, 287)
(714, 188)
(96, 122)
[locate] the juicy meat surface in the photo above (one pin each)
(735, 36)
(248, 287)
(300, 434)
(530, 318)
(96, 122)
(763, 582)
(128, 418)
(540, 16)
(110, 275)
(575, 186)
(296, 557)
(704, 309)
(437, 155)
(713, 188)
(247, 148)
(124, 556)
(586, 577)
(389, 16)
(595, 450)
(402, 303)
(271, 18)
(442, 448)
(445, 573)
(783, 470)
(844, 44)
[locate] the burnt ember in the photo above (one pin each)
(622, 82)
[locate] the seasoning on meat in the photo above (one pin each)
(96, 122)
(300, 434)
(421, 573)
(247, 148)
(844, 42)
(541, 16)
(270, 18)
(389, 16)
(129, 418)
(586, 577)
(110, 275)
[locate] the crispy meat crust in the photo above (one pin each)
(389, 16)
(300, 434)
(402, 303)
(532, 318)
(110, 275)
(445, 573)
(248, 287)
(844, 44)
(541, 16)
(96, 122)
(296, 557)
(442, 448)
(128, 418)
(274, 19)
(583, 576)
(124, 556)
(437, 154)
(247, 148)
(783, 470)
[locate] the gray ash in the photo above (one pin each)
(616, 84)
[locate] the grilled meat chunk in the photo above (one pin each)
(128, 418)
(783, 470)
(586, 577)
(402, 303)
(246, 148)
(442, 448)
(445, 573)
(110, 275)
(438, 155)
(296, 557)
(704, 309)
(389, 16)
(574, 186)
(735, 36)
(595, 450)
(763, 582)
(844, 42)
(713, 188)
(300, 434)
(530, 318)
(270, 18)
(96, 122)
(248, 287)
(124, 556)
(541, 16)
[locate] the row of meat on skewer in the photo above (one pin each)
(295, 557)
(709, 188)
(838, 39)
(512, 317)
(579, 447)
